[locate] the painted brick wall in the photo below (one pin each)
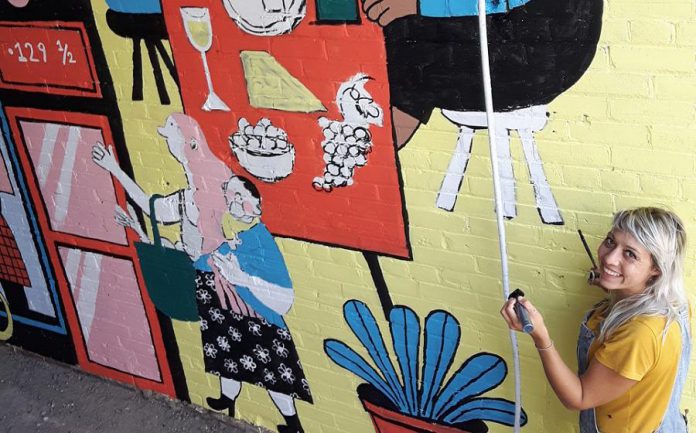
(622, 136)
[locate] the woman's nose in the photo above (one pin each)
(612, 256)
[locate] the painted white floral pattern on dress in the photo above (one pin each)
(284, 334)
(234, 333)
(248, 363)
(255, 328)
(203, 296)
(231, 366)
(223, 343)
(262, 354)
(269, 376)
(280, 349)
(216, 315)
(286, 373)
(210, 350)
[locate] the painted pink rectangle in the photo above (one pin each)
(5, 184)
(111, 312)
(79, 195)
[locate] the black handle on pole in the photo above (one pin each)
(522, 312)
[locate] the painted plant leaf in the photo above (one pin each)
(442, 336)
(486, 409)
(364, 326)
(346, 357)
(405, 331)
(480, 373)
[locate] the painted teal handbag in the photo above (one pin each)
(169, 275)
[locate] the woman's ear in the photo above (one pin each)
(655, 272)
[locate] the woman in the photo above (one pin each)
(243, 291)
(200, 208)
(633, 349)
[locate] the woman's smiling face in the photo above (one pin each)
(625, 266)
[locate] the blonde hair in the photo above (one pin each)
(662, 233)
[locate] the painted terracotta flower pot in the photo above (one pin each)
(387, 420)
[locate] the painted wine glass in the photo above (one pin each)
(200, 34)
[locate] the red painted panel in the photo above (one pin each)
(55, 240)
(47, 57)
(367, 216)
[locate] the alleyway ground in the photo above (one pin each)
(39, 395)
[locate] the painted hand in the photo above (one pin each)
(104, 157)
(384, 12)
(130, 220)
(229, 268)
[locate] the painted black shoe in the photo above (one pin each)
(222, 403)
(282, 428)
(292, 425)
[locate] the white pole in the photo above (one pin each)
(488, 93)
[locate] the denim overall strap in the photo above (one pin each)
(674, 421)
(588, 423)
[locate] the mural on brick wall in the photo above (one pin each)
(240, 56)
(419, 399)
(141, 22)
(282, 134)
(347, 141)
(538, 49)
(28, 285)
(241, 285)
(85, 282)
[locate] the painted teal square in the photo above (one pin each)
(337, 10)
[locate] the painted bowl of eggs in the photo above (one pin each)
(263, 150)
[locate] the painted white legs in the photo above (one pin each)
(525, 122)
(447, 196)
(230, 388)
(546, 203)
(285, 404)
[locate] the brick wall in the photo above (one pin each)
(620, 137)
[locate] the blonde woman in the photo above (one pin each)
(633, 348)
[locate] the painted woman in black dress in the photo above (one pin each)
(243, 291)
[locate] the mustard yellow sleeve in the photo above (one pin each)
(631, 351)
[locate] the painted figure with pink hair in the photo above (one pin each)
(200, 206)
(242, 284)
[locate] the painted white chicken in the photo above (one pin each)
(347, 142)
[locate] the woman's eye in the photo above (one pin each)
(609, 241)
(630, 254)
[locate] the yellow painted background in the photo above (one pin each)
(623, 136)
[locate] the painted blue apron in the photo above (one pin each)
(673, 421)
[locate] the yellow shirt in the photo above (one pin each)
(636, 351)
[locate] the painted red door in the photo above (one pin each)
(113, 323)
